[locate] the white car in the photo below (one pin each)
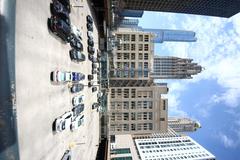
(77, 122)
(76, 31)
(63, 122)
(90, 34)
(77, 100)
(61, 76)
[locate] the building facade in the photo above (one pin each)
(137, 110)
(219, 8)
(162, 35)
(132, 60)
(183, 124)
(174, 68)
(178, 147)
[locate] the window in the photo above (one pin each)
(133, 127)
(133, 93)
(112, 93)
(164, 104)
(146, 47)
(126, 56)
(133, 47)
(126, 93)
(133, 116)
(122, 158)
(120, 151)
(140, 56)
(140, 38)
(133, 38)
(133, 105)
(119, 56)
(126, 37)
(162, 119)
(125, 116)
(125, 105)
(140, 47)
(145, 56)
(132, 56)
(146, 38)
(126, 47)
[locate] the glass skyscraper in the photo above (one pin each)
(172, 35)
(174, 68)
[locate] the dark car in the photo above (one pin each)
(60, 28)
(90, 57)
(76, 55)
(94, 89)
(60, 10)
(66, 3)
(76, 43)
(90, 84)
(76, 76)
(89, 19)
(77, 110)
(90, 42)
(90, 77)
(95, 105)
(94, 71)
(91, 50)
(67, 155)
(77, 88)
(94, 65)
(89, 27)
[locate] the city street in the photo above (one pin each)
(38, 101)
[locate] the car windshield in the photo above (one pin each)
(63, 125)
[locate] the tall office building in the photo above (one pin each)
(183, 124)
(178, 147)
(219, 8)
(132, 60)
(128, 23)
(137, 110)
(157, 146)
(174, 68)
(172, 35)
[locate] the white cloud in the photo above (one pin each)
(227, 141)
(217, 49)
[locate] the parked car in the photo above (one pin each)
(95, 105)
(60, 76)
(90, 84)
(89, 27)
(94, 89)
(76, 55)
(75, 43)
(60, 28)
(76, 76)
(94, 65)
(91, 50)
(90, 35)
(76, 32)
(77, 110)
(90, 77)
(94, 71)
(77, 100)
(58, 9)
(63, 122)
(77, 122)
(66, 3)
(77, 87)
(90, 42)
(67, 155)
(89, 19)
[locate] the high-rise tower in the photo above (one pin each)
(183, 124)
(219, 8)
(174, 68)
(172, 35)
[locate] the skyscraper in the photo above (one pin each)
(174, 68)
(178, 147)
(219, 8)
(172, 35)
(137, 110)
(183, 124)
(157, 146)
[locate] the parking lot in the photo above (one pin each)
(39, 102)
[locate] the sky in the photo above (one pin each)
(213, 96)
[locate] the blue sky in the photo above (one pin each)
(213, 96)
